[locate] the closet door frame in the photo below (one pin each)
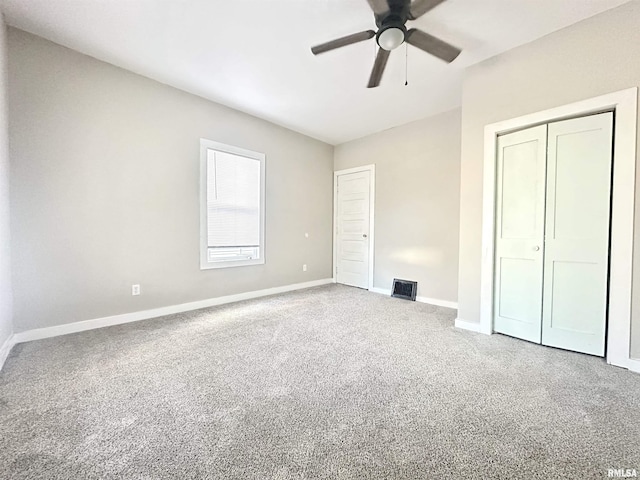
(624, 106)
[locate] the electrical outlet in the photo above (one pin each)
(304, 267)
(135, 289)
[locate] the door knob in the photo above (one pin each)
(364, 235)
(536, 248)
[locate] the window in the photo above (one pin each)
(231, 206)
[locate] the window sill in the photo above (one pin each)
(229, 264)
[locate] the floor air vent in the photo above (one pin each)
(404, 289)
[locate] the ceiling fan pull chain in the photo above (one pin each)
(406, 64)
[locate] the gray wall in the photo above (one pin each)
(104, 172)
(417, 201)
(597, 56)
(6, 324)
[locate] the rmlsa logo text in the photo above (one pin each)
(622, 473)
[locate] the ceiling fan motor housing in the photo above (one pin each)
(399, 11)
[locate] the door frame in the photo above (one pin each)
(372, 195)
(625, 105)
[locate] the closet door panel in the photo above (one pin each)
(519, 233)
(576, 259)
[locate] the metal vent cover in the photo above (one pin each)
(404, 289)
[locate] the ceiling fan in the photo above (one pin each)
(391, 16)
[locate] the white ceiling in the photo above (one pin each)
(253, 55)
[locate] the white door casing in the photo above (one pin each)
(520, 207)
(352, 226)
(576, 259)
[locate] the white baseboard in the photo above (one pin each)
(381, 291)
(40, 333)
(633, 364)
(6, 348)
(438, 302)
(430, 301)
(471, 326)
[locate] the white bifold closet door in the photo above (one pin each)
(553, 203)
(520, 233)
(576, 253)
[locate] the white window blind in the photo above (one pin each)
(233, 200)
(232, 206)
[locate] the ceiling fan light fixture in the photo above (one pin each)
(391, 38)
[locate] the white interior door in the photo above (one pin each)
(577, 234)
(519, 244)
(352, 229)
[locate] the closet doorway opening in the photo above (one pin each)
(622, 105)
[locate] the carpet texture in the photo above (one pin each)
(331, 383)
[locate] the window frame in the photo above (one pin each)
(205, 146)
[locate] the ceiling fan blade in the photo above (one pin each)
(420, 7)
(432, 45)
(343, 42)
(379, 7)
(378, 68)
